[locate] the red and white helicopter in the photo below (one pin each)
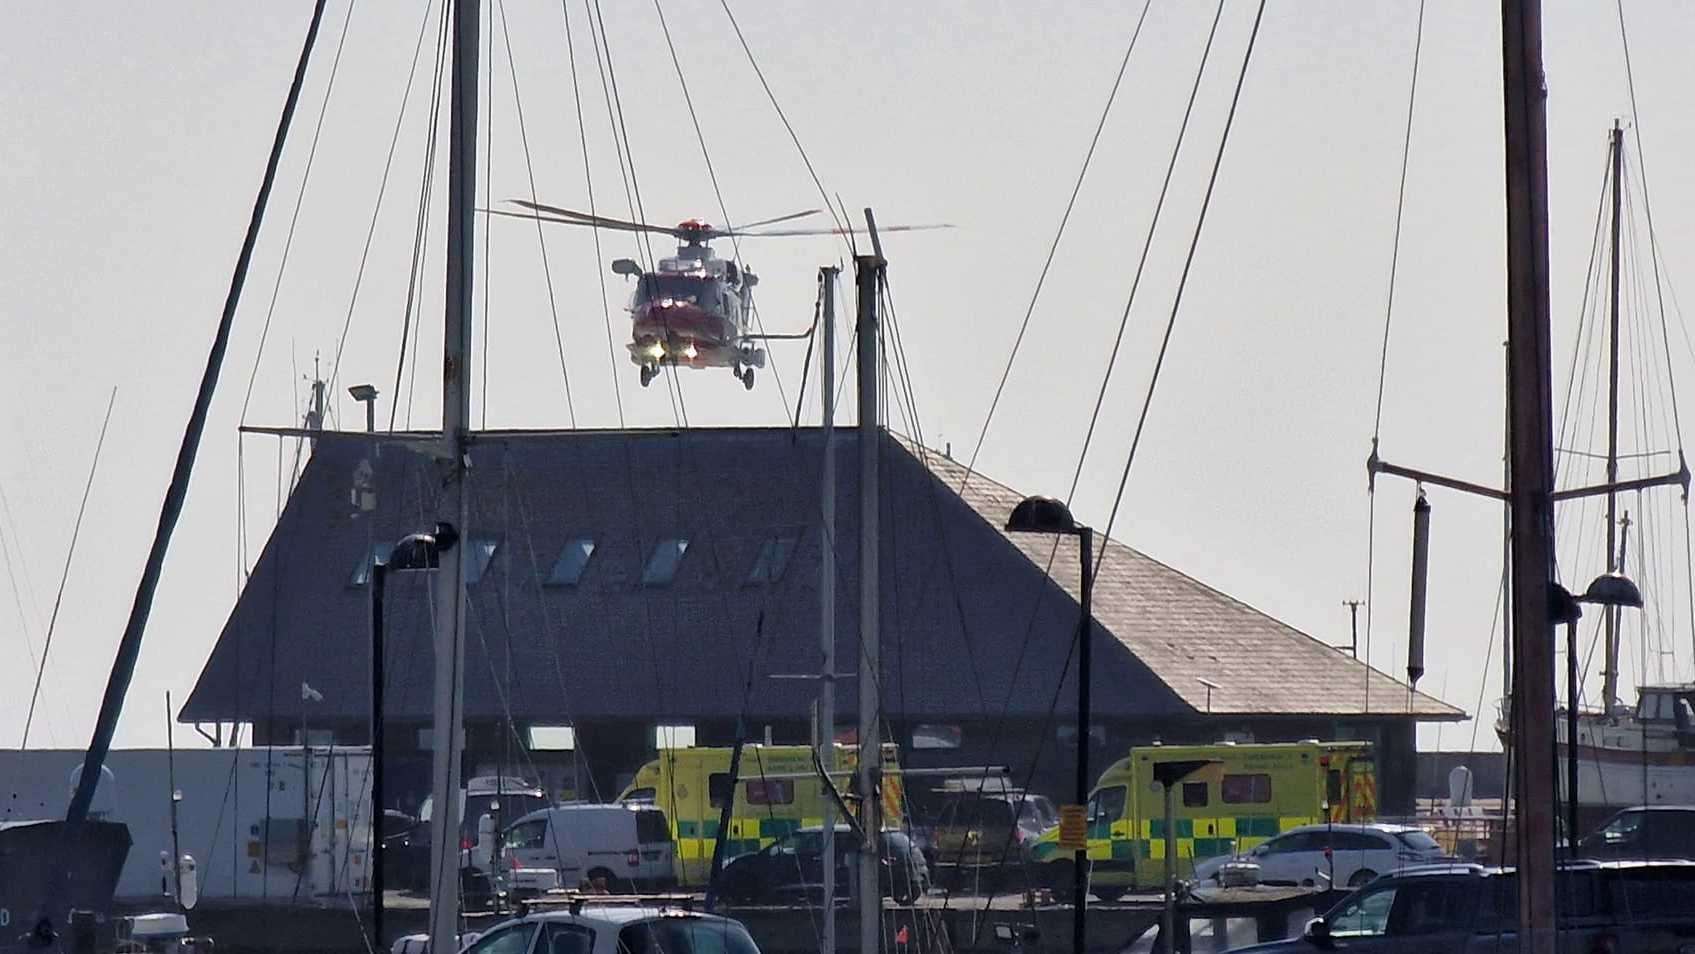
(694, 310)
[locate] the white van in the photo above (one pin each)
(626, 847)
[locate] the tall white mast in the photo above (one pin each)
(449, 618)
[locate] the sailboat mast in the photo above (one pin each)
(827, 600)
(1609, 687)
(1530, 400)
(867, 272)
(448, 734)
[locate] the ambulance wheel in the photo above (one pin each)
(1108, 895)
(747, 379)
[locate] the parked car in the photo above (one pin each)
(397, 829)
(987, 834)
(1648, 831)
(619, 846)
(1336, 854)
(1604, 906)
(791, 870)
(603, 928)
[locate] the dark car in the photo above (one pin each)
(791, 870)
(397, 830)
(1603, 906)
(1648, 831)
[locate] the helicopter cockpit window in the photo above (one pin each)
(694, 289)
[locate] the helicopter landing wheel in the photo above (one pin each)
(648, 373)
(747, 379)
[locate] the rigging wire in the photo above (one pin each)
(58, 599)
(1659, 285)
(620, 132)
(541, 238)
(789, 127)
(376, 211)
(717, 191)
(1182, 283)
(488, 202)
(594, 219)
(421, 234)
(1383, 357)
(1147, 246)
(294, 218)
(1053, 247)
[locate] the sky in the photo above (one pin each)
(134, 137)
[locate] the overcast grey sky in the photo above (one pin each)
(135, 135)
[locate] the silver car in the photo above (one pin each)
(1337, 854)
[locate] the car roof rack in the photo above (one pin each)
(575, 901)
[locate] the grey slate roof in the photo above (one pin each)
(971, 629)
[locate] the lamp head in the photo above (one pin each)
(1041, 515)
(1613, 589)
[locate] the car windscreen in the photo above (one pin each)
(685, 936)
(980, 813)
(513, 806)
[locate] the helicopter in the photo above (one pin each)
(694, 309)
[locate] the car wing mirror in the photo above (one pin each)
(626, 267)
(1318, 934)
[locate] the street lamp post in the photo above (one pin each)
(417, 551)
(1609, 590)
(1050, 516)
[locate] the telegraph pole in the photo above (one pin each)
(448, 734)
(868, 272)
(1530, 494)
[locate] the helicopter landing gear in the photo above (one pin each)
(648, 373)
(747, 378)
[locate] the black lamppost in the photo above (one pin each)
(1608, 590)
(417, 551)
(1047, 515)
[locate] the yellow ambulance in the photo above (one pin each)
(1254, 792)
(778, 792)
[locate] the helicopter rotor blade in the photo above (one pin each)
(781, 218)
(568, 216)
(536, 217)
(790, 233)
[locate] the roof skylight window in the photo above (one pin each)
(362, 572)
(477, 557)
(573, 561)
(773, 559)
(663, 562)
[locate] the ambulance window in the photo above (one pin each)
(1194, 794)
(1108, 804)
(1245, 789)
(771, 792)
(718, 788)
(1333, 787)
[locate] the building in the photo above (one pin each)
(629, 583)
